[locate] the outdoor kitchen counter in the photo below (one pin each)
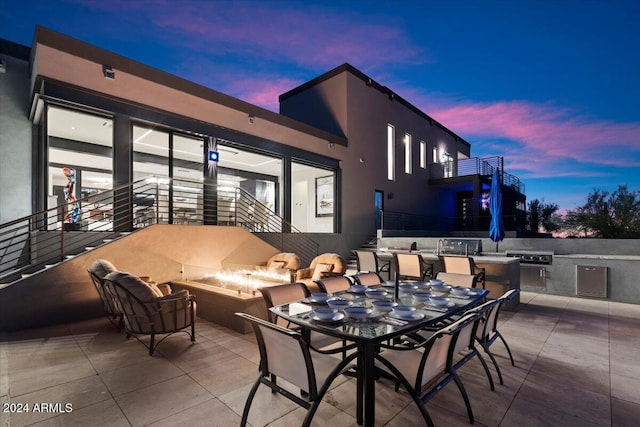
(430, 255)
(501, 272)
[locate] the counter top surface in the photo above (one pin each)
(431, 256)
(601, 256)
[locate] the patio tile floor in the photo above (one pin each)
(576, 365)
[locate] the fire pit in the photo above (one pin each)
(247, 281)
(221, 294)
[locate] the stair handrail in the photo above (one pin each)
(40, 238)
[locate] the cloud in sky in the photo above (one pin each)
(312, 37)
(257, 50)
(544, 133)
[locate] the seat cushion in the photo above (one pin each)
(321, 268)
(277, 265)
(140, 289)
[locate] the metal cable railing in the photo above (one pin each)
(28, 244)
(476, 166)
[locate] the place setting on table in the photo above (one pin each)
(372, 305)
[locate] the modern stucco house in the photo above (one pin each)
(114, 120)
(345, 157)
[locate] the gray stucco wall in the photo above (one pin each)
(15, 141)
(347, 105)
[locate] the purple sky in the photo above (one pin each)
(552, 86)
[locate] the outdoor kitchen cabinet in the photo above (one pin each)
(501, 274)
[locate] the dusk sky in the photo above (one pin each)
(553, 86)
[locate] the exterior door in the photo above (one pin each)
(378, 200)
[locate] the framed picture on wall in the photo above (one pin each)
(324, 196)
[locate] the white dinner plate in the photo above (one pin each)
(414, 315)
(336, 317)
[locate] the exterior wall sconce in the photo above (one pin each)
(369, 82)
(391, 96)
(361, 159)
(108, 72)
(331, 145)
(251, 118)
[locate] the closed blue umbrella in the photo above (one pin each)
(496, 228)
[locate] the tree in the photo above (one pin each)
(612, 216)
(541, 213)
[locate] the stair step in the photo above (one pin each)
(25, 275)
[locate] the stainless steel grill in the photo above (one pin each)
(532, 257)
(533, 267)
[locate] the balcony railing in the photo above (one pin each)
(28, 244)
(476, 166)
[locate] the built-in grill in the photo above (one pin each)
(460, 247)
(532, 257)
(533, 267)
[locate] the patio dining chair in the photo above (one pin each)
(411, 266)
(285, 355)
(425, 368)
(291, 292)
(368, 261)
(488, 332)
(462, 265)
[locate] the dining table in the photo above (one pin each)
(380, 325)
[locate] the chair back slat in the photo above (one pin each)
(282, 294)
(456, 279)
(409, 265)
(435, 361)
(285, 357)
(366, 261)
(456, 264)
(368, 279)
(334, 284)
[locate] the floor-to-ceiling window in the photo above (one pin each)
(312, 198)
(167, 170)
(244, 176)
(187, 177)
(80, 149)
(151, 163)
